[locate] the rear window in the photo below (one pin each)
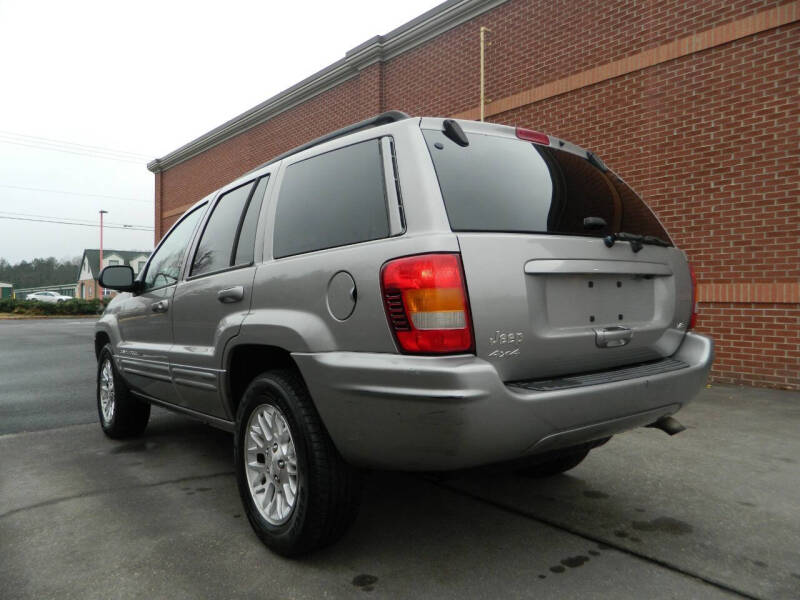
(330, 200)
(509, 185)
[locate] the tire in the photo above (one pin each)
(557, 463)
(121, 414)
(316, 494)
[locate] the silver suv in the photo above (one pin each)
(420, 294)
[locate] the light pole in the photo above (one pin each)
(102, 212)
(483, 31)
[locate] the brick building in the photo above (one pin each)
(696, 103)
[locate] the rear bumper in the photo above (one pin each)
(441, 413)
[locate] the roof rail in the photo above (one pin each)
(390, 116)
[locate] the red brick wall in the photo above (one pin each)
(712, 145)
(192, 180)
(534, 42)
(709, 138)
(757, 344)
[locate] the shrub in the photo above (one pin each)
(76, 306)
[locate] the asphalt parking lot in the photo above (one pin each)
(46, 366)
(710, 513)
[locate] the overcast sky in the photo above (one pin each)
(141, 78)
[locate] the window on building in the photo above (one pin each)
(112, 261)
(91, 291)
(165, 265)
(330, 200)
(140, 265)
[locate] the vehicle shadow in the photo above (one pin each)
(459, 535)
(398, 510)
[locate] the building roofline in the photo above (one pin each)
(107, 250)
(377, 49)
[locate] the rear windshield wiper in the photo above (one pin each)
(637, 241)
(656, 241)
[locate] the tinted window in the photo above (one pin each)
(165, 264)
(216, 244)
(330, 200)
(245, 247)
(505, 184)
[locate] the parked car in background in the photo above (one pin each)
(404, 293)
(51, 297)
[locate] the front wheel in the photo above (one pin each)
(297, 491)
(121, 415)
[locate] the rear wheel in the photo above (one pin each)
(298, 493)
(121, 415)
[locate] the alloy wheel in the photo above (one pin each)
(107, 390)
(271, 468)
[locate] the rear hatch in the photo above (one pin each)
(550, 292)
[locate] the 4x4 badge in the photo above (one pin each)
(511, 340)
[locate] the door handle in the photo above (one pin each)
(232, 294)
(611, 337)
(160, 307)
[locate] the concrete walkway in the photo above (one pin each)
(711, 513)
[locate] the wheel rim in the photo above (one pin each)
(107, 390)
(271, 464)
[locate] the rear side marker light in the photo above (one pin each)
(693, 318)
(426, 304)
(529, 135)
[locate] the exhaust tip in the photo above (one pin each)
(668, 425)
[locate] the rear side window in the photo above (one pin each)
(222, 244)
(330, 200)
(510, 185)
(245, 248)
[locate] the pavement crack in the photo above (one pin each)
(596, 539)
(53, 501)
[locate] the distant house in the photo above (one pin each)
(87, 286)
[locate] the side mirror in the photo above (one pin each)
(117, 277)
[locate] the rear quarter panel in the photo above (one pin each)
(290, 307)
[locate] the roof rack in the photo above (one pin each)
(390, 116)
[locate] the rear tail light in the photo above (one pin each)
(529, 135)
(426, 304)
(693, 318)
